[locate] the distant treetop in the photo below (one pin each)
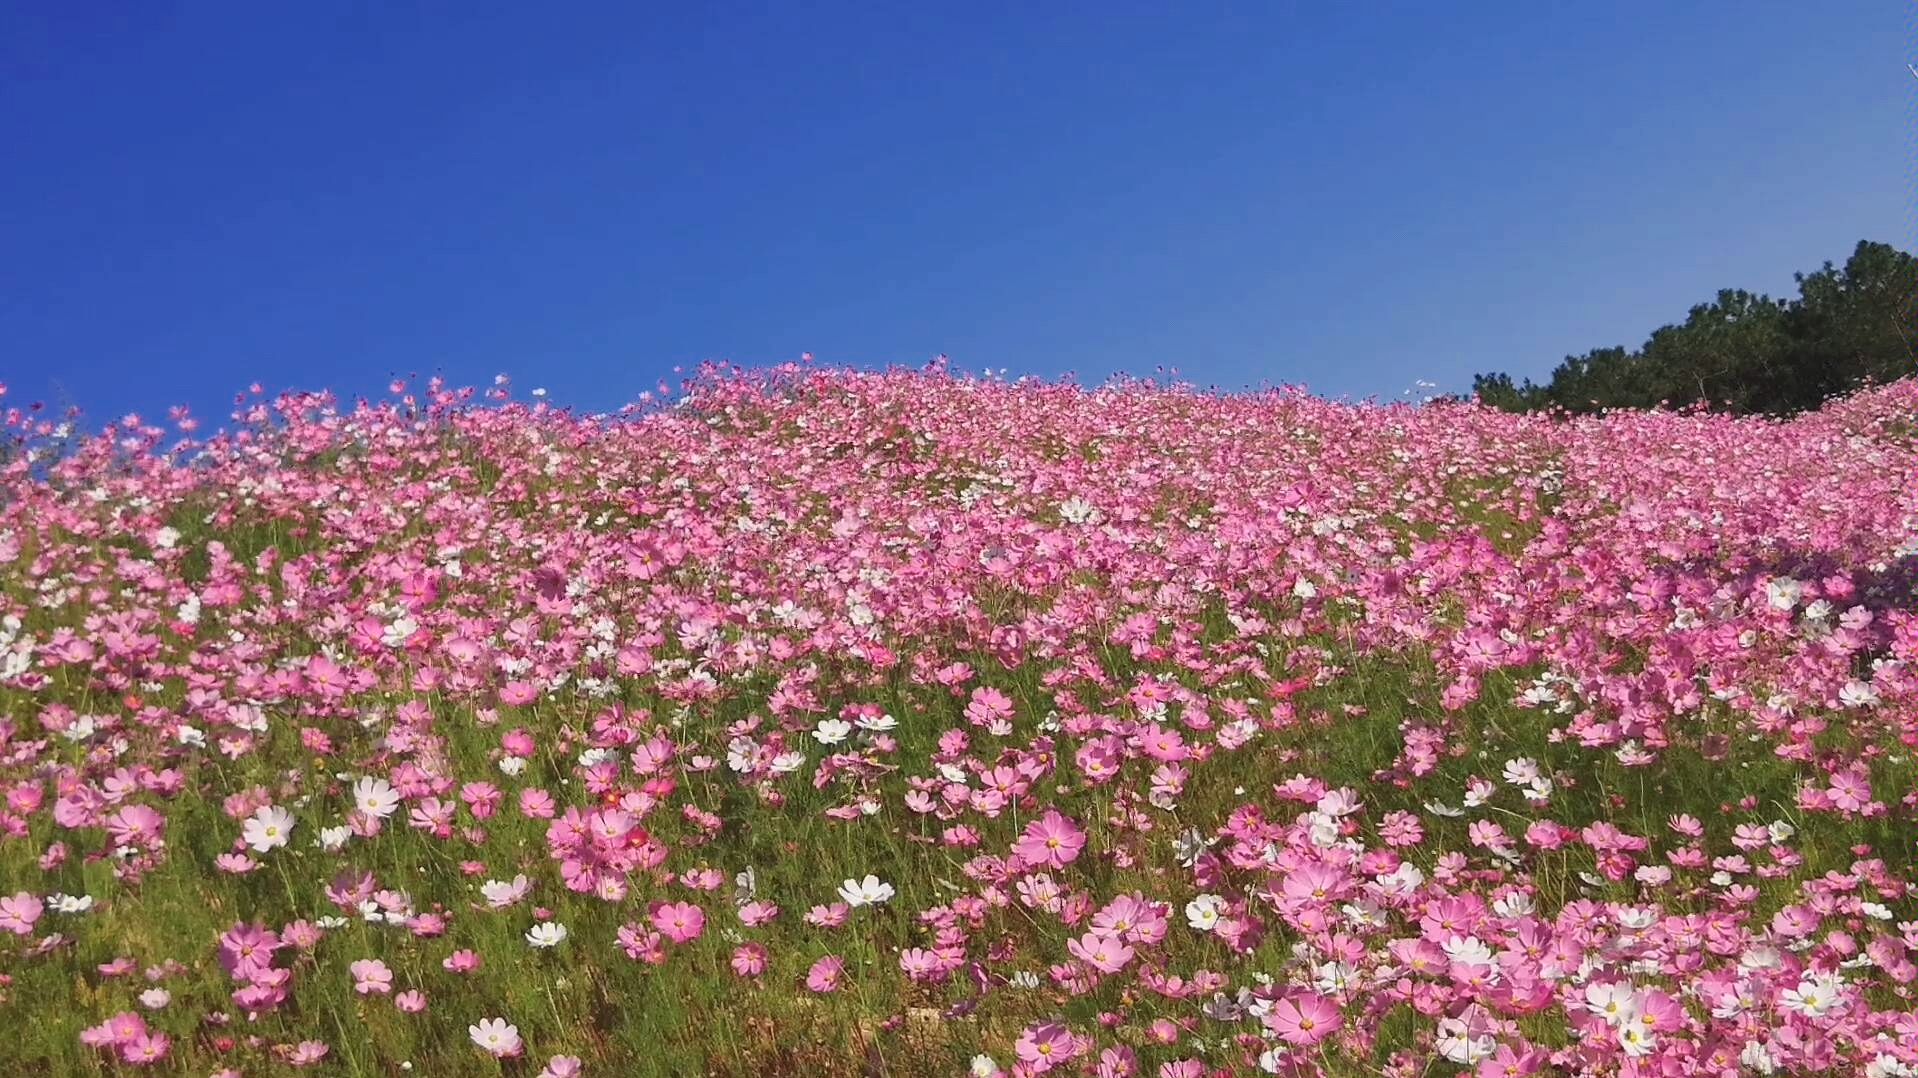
(1747, 353)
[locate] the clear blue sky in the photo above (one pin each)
(198, 195)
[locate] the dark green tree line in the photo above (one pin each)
(1849, 326)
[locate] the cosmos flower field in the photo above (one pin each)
(829, 723)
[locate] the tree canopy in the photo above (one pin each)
(1849, 326)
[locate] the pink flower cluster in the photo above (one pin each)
(1183, 734)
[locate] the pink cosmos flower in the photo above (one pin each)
(1509, 1062)
(749, 960)
(1107, 954)
(824, 974)
(828, 916)
(1119, 1061)
(1658, 1012)
(246, 950)
(302, 935)
(307, 1053)
(1163, 744)
(370, 976)
(1044, 1046)
(680, 922)
(19, 911)
(461, 961)
(1051, 841)
(988, 706)
(122, 1029)
(147, 1048)
(135, 825)
(1303, 1018)
(536, 804)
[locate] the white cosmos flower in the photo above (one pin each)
(1469, 950)
(865, 892)
(1615, 1002)
(832, 731)
(500, 894)
(1460, 1043)
(511, 766)
(878, 724)
(495, 1035)
(267, 829)
(1857, 694)
(1522, 771)
(1202, 913)
(1364, 913)
(1784, 592)
(1188, 846)
(739, 754)
(1758, 1058)
(332, 838)
(1634, 918)
(1340, 803)
(546, 934)
(1076, 510)
(70, 903)
(1323, 829)
(375, 797)
(1334, 976)
(1813, 997)
(1516, 904)
(399, 632)
(1402, 880)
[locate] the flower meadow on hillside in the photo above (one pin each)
(839, 723)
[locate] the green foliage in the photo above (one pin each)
(1748, 353)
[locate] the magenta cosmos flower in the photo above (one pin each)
(680, 922)
(824, 974)
(1051, 841)
(1044, 1046)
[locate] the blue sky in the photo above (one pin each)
(1353, 197)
